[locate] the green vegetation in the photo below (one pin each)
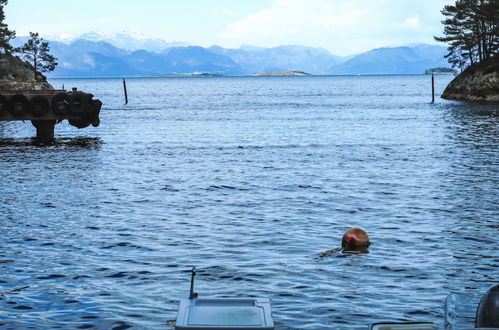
(440, 71)
(471, 30)
(5, 34)
(36, 52)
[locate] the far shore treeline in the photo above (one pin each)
(471, 30)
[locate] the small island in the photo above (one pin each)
(441, 71)
(281, 73)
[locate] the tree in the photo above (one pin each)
(36, 51)
(5, 34)
(471, 29)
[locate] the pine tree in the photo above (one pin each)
(5, 34)
(36, 51)
(471, 30)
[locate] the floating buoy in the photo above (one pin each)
(61, 104)
(355, 239)
(39, 106)
(18, 105)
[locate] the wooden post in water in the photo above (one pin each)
(432, 88)
(126, 94)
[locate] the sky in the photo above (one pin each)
(343, 27)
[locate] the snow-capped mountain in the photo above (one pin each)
(132, 41)
(127, 40)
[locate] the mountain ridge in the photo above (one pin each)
(98, 58)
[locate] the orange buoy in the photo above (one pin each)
(355, 239)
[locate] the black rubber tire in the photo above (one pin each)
(18, 105)
(79, 123)
(39, 106)
(61, 104)
(96, 106)
(79, 103)
(87, 108)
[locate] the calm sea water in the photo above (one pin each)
(249, 179)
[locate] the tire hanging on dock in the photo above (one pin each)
(96, 106)
(61, 104)
(79, 102)
(39, 106)
(90, 116)
(18, 105)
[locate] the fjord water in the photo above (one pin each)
(249, 179)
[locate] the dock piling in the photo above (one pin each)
(124, 88)
(44, 130)
(432, 88)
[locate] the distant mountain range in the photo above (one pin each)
(128, 54)
(396, 60)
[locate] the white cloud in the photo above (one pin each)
(290, 17)
(412, 22)
(343, 26)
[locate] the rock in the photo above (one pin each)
(18, 75)
(479, 82)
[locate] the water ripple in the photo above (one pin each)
(250, 180)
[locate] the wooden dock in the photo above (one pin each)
(45, 108)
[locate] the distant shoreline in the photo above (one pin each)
(188, 75)
(238, 76)
(280, 73)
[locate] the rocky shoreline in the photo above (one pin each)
(18, 75)
(479, 82)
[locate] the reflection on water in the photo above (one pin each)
(460, 311)
(80, 142)
(473, 130)
(249, 180)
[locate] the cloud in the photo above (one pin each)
(412, 22)
(343, 26)
(292, 17)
